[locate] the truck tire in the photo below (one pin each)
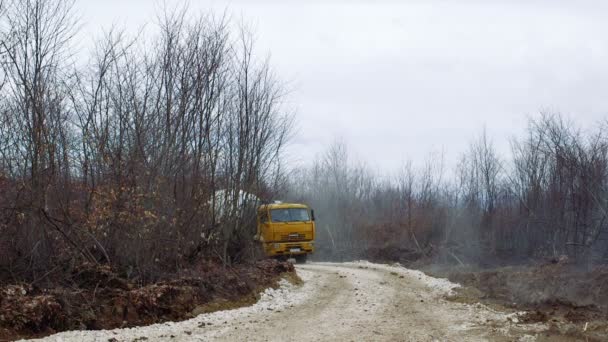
(300, 259)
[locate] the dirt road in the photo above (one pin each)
(357, 301)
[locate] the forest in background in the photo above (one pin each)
(548, 200)
(130, 173)
(139, 159)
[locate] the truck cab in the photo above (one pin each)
(286, 230)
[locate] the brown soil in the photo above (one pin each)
(101, 299)
(573, 301)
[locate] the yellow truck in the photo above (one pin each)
(286, 230)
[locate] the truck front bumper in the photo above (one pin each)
(289, 248)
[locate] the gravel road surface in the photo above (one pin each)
(357, 301)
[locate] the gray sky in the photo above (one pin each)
(398, 80)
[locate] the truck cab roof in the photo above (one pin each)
(283, 206)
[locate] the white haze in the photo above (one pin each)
(397, 80)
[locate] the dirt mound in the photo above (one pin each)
(101, 299)
(534, 316)
(391, 253)
(545, 285)
(23, 310)
(570, 298)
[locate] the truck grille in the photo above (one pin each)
(293, 236)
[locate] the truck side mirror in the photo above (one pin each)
(312, 213)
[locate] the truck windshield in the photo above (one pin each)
(289, 215)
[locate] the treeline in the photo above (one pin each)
(116, 161)
(549, 199)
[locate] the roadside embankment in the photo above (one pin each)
(98, 298)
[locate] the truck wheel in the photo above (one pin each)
(300, 259)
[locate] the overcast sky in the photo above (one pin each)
(398, 80)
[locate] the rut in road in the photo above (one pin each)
(357, 301)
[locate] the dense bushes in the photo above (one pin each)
(117, 161)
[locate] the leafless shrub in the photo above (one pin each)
(119, 162)
(548, 201)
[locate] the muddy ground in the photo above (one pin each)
(100, 299)
(572, 300)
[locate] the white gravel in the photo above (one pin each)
(194, 329)
(356, 301)
(439, 286)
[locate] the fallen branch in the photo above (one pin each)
(455, 257)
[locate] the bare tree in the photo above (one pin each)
(37, 143)
(549, 200)
(119, 161)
